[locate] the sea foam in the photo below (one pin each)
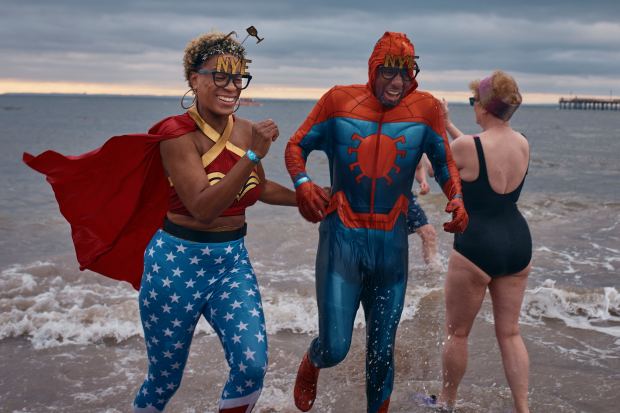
(39, 303)
(596, 310)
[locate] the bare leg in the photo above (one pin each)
(429, 243)
(465, 288)
(507, 295)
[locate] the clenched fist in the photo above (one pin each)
(460, 219)
(263, 134)
(312, 201)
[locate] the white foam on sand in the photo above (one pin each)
(297, 313)
(595, 310)
(42, 306)
(37, 302)
(576, 261)
(296, 309)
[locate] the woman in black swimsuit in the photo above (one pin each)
(495, 250)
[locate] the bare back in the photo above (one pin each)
(506, 153)
(493, 167)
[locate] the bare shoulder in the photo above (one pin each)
(463, 144)
(522, 139)
(242, 132)
(463, 151)
(243, 128)
(243, 123)
(181, 144)
(521, 142)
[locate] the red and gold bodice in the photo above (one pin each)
(217, 161)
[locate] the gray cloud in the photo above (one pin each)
(316, 43)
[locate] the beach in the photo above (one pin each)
(72, 341)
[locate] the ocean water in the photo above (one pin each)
(71, 341)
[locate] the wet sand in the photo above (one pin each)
(103, 377)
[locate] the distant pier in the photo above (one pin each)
(589, 103)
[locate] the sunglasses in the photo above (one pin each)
(472, 100)
(222, 79)
(389, 73)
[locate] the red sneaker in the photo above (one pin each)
(384, 406)
(305, 384)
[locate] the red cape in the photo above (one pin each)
(114, 197)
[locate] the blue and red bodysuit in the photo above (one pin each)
(362, 255)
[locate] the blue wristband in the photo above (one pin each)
(301, 180)
(252, 156)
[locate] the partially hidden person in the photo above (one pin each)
(417, 221)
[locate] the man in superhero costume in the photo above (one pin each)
(373, 135)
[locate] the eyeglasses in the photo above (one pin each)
(389, 73)
(472, 100)
(222, 79)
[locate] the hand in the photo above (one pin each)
(263, 133)
(445, 110)
(312, 201)
(460, 219)
(425, 188)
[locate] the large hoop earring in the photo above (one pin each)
(237, 106)
(183, 99)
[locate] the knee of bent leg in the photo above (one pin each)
(335, 352)
(255, 371)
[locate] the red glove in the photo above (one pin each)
(312, 201)
(460, 219)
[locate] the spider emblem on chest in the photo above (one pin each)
(376, 156)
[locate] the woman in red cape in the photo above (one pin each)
(165, 211)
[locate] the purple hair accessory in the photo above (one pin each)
(495, 105)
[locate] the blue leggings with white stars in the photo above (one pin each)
(183, 280)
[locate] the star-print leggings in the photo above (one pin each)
(183, 280)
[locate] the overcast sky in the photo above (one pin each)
(553, 47)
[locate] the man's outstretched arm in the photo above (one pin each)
(446, 173)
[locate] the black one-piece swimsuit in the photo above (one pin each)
(497, 238)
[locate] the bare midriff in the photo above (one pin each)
(217, 225)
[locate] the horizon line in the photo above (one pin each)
(251, 99)
(276, 92)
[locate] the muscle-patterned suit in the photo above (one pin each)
(373, 151)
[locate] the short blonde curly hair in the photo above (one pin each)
(201, 48)
(504, 87)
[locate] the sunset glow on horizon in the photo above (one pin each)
(255, 92)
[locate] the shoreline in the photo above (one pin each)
(102, 377)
